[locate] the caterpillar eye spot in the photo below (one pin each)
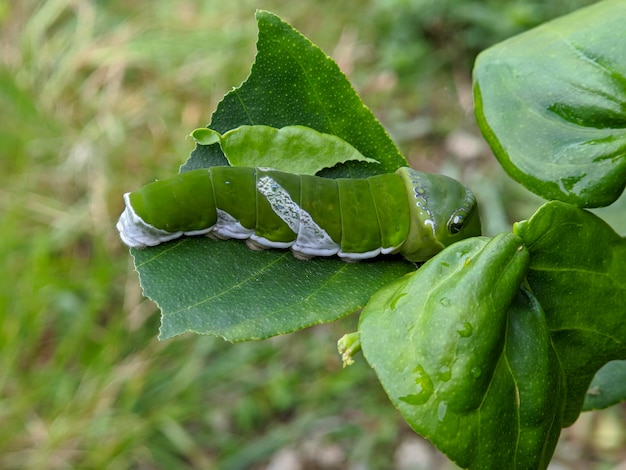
(456, 224)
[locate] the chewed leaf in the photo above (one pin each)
(217, 288)
(293, 82)
(293, 149)
(556, 120)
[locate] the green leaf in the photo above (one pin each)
(205, 136)
(252, 297)
(466, 356)
(454, 378)
(551, 102)
(539, 382)
(292, 82)
(608, 387)
(294, 149)
(578, 273)
(222, 287)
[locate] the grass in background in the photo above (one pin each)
(97, 98)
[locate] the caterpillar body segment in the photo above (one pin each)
(408, 212)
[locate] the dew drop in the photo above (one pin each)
(445, 373)
(441, 410)
(465, 330)
(476, 372)
(423, 388)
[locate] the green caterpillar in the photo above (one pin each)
(407, 212)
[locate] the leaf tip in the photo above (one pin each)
(205, 136)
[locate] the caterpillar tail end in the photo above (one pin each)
(136, 233)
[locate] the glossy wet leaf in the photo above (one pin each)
(309, 151)
(466, 356)
(551, 102)
(578, 273)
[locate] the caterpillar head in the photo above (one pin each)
(442, 212)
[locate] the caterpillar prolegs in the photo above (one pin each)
(408, 212)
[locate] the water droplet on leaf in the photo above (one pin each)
(465, 329)
(445, 373)
(441, 410)
(423, 388)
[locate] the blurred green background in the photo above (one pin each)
(96, 98)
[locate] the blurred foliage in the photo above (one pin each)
(450, 33)
(97, 98)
